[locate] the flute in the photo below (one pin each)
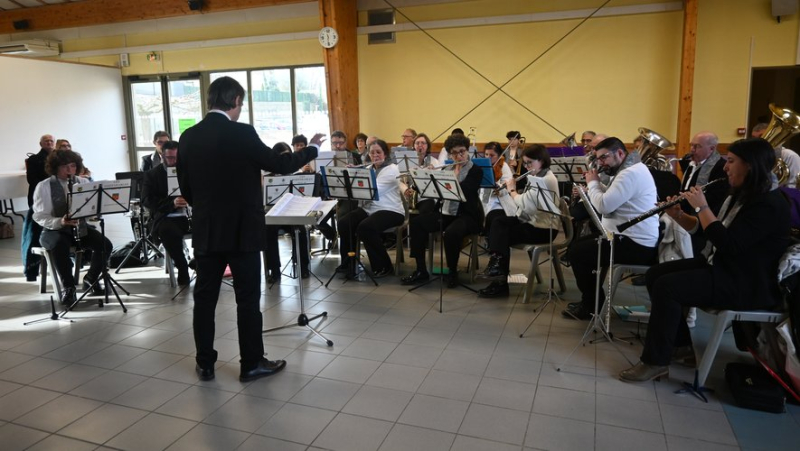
(625, 225)
(451, 165)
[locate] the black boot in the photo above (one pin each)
(494, 270)
(495, 289)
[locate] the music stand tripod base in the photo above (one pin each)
(53, 316)
(695, 389)
(303, 321)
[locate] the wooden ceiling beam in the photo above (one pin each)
(100, 12)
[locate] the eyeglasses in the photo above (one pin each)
(406, 136)
(604, 156)
(527, 163)
(161, 143)
(337, 143)
(456, 153)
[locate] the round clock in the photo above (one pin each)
(328, 37)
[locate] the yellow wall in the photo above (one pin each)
(613, 74)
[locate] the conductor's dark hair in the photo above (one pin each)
(222, 94)
(456, 140)
(538, 152)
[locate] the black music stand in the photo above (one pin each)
(104, 199)
(442, 186)
(598, 323)
(312, 217)
(351, 184)
(143, 243)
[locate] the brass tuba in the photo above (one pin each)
(652, 146)
(569, 141)
(784, 124)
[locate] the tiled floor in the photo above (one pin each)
(401, 375)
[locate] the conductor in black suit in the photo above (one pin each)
(169, 211)
(219, 173)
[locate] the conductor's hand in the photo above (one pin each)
(65, 221)
(591, 175)
(674, 211)
(318, 139)
(180, 202)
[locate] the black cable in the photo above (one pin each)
(499, 88)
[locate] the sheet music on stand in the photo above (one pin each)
(546, 199)
(173, 189)
(405, 159)
(446, 180)
(564, 167)
(276, 186)
(338, 158)
(363, 183)
(593, 215)
(84, 201)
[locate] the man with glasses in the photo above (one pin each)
(151, 161)
(586, 137)
(631, 191)
(169, 212)
(408, 138)
(339, 144)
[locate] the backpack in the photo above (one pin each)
(120, 252)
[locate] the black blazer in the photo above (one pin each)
(471, 187)
(746, 258)
(34, 172)
(147, 163)
(716, 193)
(219, 172)
(154, 194)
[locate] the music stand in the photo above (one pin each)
(275, 186)
(351, 184)
(308, 213)
(443, 186)
(598, 323)
(104, 197)
(546, 205)
(406, 160)
(143, 242)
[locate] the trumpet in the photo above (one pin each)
(625, 225)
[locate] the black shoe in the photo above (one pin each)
(263, 369)
(494, 290)
(193, 264)
(68, 296)
(205, 374)
(97, 289)
(31, 278)
(579, 312)
(274, 276)
(573, 305)
(305, 273)
(415, 278)
(381, 273)
(451, 279)
(183, 277)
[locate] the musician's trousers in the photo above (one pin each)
(58, 243)
(507, 232)
(583, 256)
(171, 231)
(368, 228)
(456, 228)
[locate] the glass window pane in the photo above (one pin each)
(148, 112)
(184, 104)
(241, 77)
(272, 105)
(312, 103)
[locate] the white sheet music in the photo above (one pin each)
(173, 189)
(291, 205)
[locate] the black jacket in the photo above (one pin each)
(219, 172)
(154, 194)
(34, 171)
(716, 193)
(471, 188)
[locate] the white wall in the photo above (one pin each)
(81, 103)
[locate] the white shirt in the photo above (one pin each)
(388, 192)
(792, 160)
(631, 193)
(443, 156)
(43, 203)
(528, 203)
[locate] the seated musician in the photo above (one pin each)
(460, 218)
(369, 221)
(530, 225)
(422, 145)
(273, 250)
(502, 173)
(738, 267)
(300, 142)
(169, 213)
(631, 192)
(50, 208)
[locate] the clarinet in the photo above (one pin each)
(76, 235)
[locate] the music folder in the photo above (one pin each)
(298, 210)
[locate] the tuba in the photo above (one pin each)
(569, 141)
(784, 124)
(650, 149)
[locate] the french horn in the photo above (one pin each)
(652, 146)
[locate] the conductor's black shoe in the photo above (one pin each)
(96, 288)
(381, 273)
(183, 277)
(494, 290)
(305, 273)
(205, 374)
(415, 278)
(263, 369)
(579, 312)
(274, 276)
(30, 278)
(68, 296)
(451, 279)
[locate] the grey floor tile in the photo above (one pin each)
(195, 403)
(108, 386)
(506, 394)
(424, 336)
(150, 394)
(151, 432)
(511, 369)
(564, 403)
(464, 443)
(559, 434)
(59, 443)
(681, 421)
(450, 385)
(326, 394)
(675, 443)
(296, 423)
(629, 413)
(15, 437)
(244, 413)
(204, 436)
(462, 362)
(21, 401)
(371, 349)
(149, 363)
(350, 369)
(415, 355)
(434, 413)
(612, 438)
(352, 433)
(398, 377)
(69, 377)
(495, 423)
(112, 356)
(306, 362)
(58, 413)
(32, 370)
(260, 443)
(403, 437)
(280, 387)
(379, 403)
(387, 332)
(103, 423)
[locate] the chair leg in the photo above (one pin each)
(43, 272)
(562, 286)
(722, 322)
(170, 269)
(78, 264)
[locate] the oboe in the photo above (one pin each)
(625, 225)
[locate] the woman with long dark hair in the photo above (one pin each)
(737, 269)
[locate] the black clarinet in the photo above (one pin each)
(76, 233)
